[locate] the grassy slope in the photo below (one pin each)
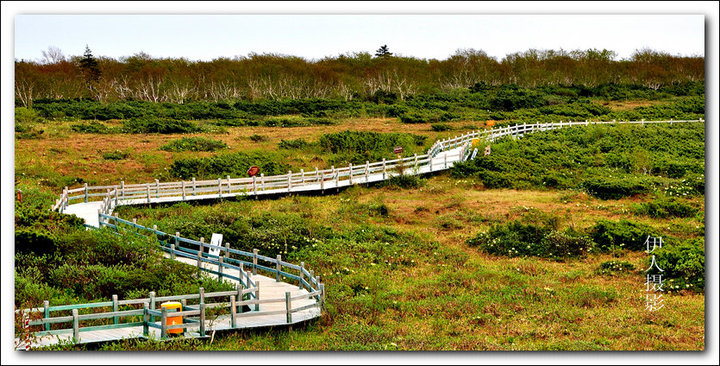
(451, 296)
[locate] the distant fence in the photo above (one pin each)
(317, 180)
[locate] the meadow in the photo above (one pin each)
(462, 260)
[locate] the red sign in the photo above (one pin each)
(398, 150)
(253, 171)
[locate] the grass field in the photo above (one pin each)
(399, 272)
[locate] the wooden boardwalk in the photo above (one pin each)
(269, 289)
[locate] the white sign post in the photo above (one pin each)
(215, 240)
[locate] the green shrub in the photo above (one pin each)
(623, 234)
(666, 207)
(115, 155)
(258, 138)
(533, 235)
(439, 127)
(159, 125)
(358, 147)
(194, 144)
(92, 127)
(403, 181)
(613, 268)
(614, 188)
(25, 115)
(683, 265)
(234, 164)
(293, 144)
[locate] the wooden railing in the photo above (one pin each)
(231, 263)
(144, 312)
(114, 195)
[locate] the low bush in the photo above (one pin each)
(612, 268)
(194, 144)
(592, 296)
(234, 164)
(614, 188)
(293, 144)
(683, 265)
(92, 127)
(159, 125)
(439, 127)
(115, 155)
(533, 235)
(666, 207)
(403, 182)
(623, 234)
(258, 138)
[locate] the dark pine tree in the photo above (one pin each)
(383, 51)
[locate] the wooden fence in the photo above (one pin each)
(458, 148)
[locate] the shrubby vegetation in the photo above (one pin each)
(359, 147)
(194, 144)
(609, 162)
(56, 259)
(233, 164)
(683, 265)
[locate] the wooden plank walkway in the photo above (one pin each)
(269, 289)
(88, 211)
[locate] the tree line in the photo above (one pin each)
(346, 77)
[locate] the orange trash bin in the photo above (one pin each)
(172, 307)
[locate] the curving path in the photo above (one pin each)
(96, 204)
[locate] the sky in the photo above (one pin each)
(206, 37)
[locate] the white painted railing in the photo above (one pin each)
(440, 156)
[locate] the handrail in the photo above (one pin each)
(120, 194)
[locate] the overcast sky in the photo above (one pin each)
(205, 37)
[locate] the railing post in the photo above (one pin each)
(254, 185)
(183, 190)
(172, 251)
(278, 267)
(255, 261)
(316, 173)
(367, 170)
(233, 311)
(220, 268)
(229, 185)
(262, 181)
(302, 275)
(384, 170)
(202, 312)
(337, 176)
(239, 296)
(289, 180)
(219, 187)
(46, 313)
(416, 162)
(302, 176)
(116, 308)
(86, 192)
(147, 191)
(157, 188)
(163, 324)
(288, 306)
(116, 197)
(146, 319)
(122, 188)
(350, 173)
(257, 295)
(199, 258)
(194, 187)
(322, 182)
(152, 305)
(322, 295)
(76, 325)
